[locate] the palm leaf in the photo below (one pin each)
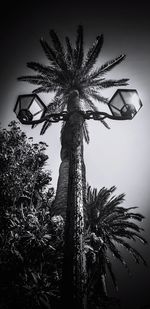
(116, 253)
(94, 108)
(91, 194)
(95, 95)
(86, 133)
(115, 201)
(45, 126)
(47, 71)
(103, 197)
(113, 83)
(59, 50)
(107, 66)
(127, 224)
(130, 235)
(57, 105)
(70, 59)
(109, 266)
(33, 79)
(110, 221)
(45, 88)
(92, 54)
(79, 47)
(89, 102)
(50, 53)
(56, 42)
(135, 216)
(134, 253)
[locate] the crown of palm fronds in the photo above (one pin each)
(69, 68)
(114, 224)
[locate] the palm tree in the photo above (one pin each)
(108, 225)
(71, 76)
(68, 70)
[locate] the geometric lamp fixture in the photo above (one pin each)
(29, 107)
(125, 103)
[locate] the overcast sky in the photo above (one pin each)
(119, 156)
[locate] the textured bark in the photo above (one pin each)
(60, 203)
(69, 202)
(74, 257)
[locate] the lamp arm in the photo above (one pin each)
(65, 115)
(51, 118)
(102, 115)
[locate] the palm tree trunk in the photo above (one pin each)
(69, 203)
(60, 203)
(74, 257)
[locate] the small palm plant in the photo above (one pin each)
(108, 225)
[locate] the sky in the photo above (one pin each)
(119, 156)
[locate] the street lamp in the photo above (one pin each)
(125, 103)
(29, 107)
(31, 110)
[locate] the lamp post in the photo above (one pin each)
(30, 110)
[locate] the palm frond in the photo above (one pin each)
(103, 197)
(86, 133)
(113, 83)
(91, 194)
(111, 222)
(90, 82)
(47, 71)
(109, 266)
(50, 53)
(69, 55)
(129, 234)
(112, 206)
(56, 43)
(56, 105)
(105, 124)
(115, 201)
(134, 253)
(126, 225)
(95, 95)
(79, 47)
(45, 126)
(45, 88)
(89, 103)
(135, 216)
(107, 66)
(59, 50)
(116, 253)
(33, 79)
(131, 208)
(92, 54)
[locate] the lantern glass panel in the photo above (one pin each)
(37, 116)
(117, 102)
(115, 111)
(25, 102)
(132, 98)
(35, 107)
(17, 108)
